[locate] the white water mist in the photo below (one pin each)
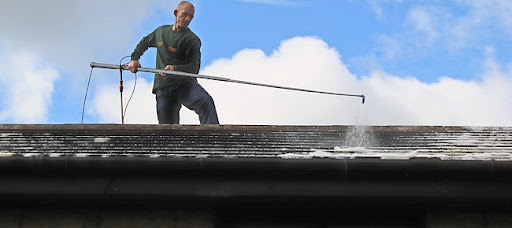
(359, 135)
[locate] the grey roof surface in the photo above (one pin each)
(280, 142)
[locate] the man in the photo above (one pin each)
(178, 49)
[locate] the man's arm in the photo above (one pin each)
(142, 46)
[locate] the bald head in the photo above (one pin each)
(184, 3)
(183, 14)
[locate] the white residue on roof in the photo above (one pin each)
(10, 134)
(360, 152)
(101, 140)
(82, 155)
(154, 155)
(55, 155)
(6, 154)
(31, 154)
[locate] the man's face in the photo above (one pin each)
(184, 15)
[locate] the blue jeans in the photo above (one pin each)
(190, 94)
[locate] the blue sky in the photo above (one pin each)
(438, 62)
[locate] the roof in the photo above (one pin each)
(148, 164)
(279, 142)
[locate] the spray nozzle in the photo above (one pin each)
(364, 98)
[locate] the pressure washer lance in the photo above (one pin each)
(184, 74)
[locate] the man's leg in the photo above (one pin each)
(195, 97)
(167, 106)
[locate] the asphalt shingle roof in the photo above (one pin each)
(233, 141)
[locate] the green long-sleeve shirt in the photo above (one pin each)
(178, 48)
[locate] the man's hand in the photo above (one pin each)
(133, 66)
(168, 67)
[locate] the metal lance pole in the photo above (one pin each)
(184, 74)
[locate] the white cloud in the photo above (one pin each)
(71, 32)
(391, 100)
(466, 24)
(489, 12)
(26, 89)
(106, 103)
(301, 62)
(423, 23)
(423, 29)
(376, 6)
(480, 18)
(391, 47)
(394, 100)
(407, 101)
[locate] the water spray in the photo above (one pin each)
(184, 74)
